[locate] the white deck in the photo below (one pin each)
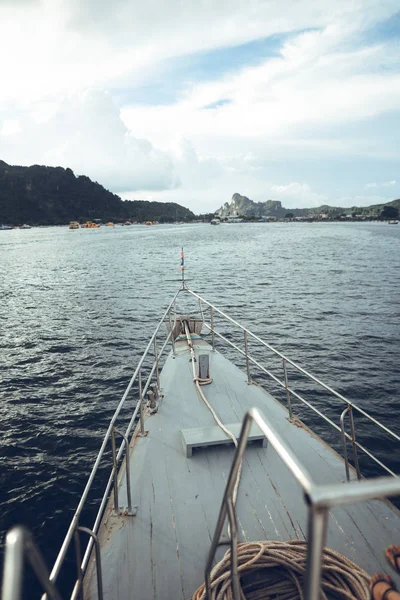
(161, 552)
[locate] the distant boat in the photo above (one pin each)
(5, 227)
(74, 225)
(393, 222)
(90, 225)
(25, 226)
(215, 221)
(109, 224)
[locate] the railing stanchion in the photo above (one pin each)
(78, 557)
(172, 333)
(19, 542)
(354, 444)
(234, 549)
(127, 469)
(115, 471)
(317, 520)
(98, 560)
(156, 363)
(212, 328)
(246, 350)
(141, 403)
(344, 442)
(288, 398)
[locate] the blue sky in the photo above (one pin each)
(193, 102)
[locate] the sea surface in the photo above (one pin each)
(78, 307)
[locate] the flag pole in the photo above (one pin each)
(183, 268)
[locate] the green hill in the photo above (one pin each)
(40, 195)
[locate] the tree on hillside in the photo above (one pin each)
(289, 215)
(390, 212)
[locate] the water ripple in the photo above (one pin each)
(77, 311)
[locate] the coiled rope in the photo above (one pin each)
(270, 570)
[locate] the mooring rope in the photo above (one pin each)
(199, 382)
(277, 570)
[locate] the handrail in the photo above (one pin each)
(75, 520)
(296, 366)
(290, 391)
(319, 499)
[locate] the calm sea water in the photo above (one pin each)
(77, 309)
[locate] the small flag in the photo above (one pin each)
(182, 261)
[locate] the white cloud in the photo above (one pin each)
(301, 102)
(88, 135)
(384, 184)
(297, 194)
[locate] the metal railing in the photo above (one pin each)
(319, 499)
(48, 582)
(24, 544)
(290, 392)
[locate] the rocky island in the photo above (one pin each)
(248, 210)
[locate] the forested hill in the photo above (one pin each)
(41, 195)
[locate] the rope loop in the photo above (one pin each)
(277, 570)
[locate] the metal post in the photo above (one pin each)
(344, 442)
(128, 471)
(353, 441)
(18, 541)
(78, 556)
(234, 550)
(228, 496)
(98, 560)
(141, 403)
(288, 398)
(172, 334)
(115, 471)
(317, 520)
(13, 564)
(183, 268)
(156, 361)
(246, 351)
(212, 328)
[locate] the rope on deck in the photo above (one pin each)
(277, 570)
(199, 382)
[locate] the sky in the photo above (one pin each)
(191, 102)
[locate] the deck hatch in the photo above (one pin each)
(200, 437)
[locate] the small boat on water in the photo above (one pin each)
(210, 463)
(74, 225)
(5, 227)
(90, 225)
(215, 221)
(109, 224)
(25, 226)
(234, 219)
(393, 222)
